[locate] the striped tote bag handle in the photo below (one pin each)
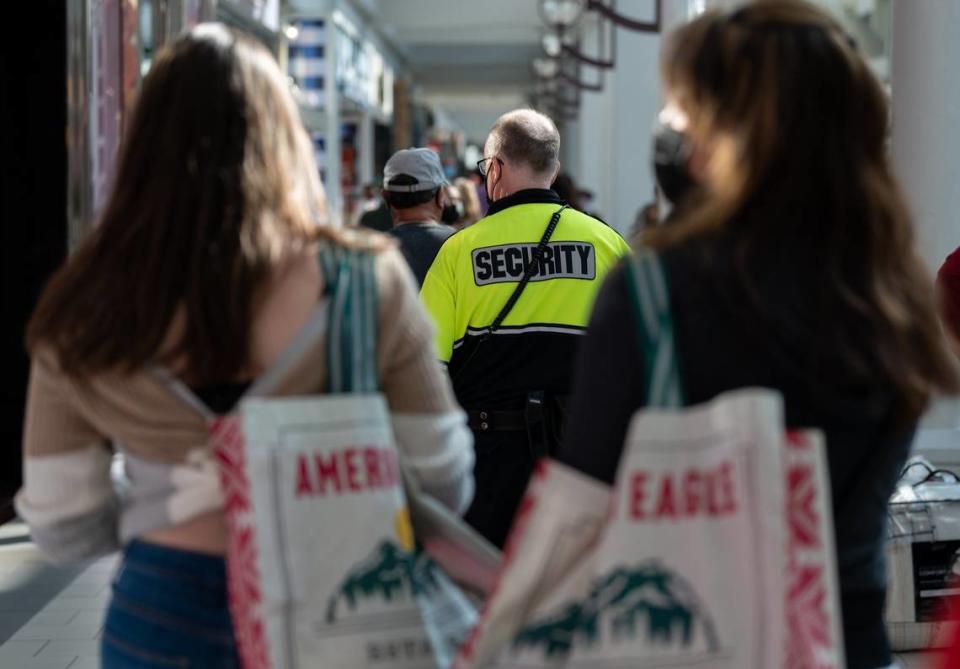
(351, 355)
(650, 299)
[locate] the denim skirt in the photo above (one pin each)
(169, 609)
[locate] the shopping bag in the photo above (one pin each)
(463, 554)
(323, 567)
(714, 548)
(812, 599)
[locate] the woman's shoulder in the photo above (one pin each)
(699, 262)
(44, 355)
(394, 283)
(691, 256)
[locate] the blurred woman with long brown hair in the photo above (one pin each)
(205, 263)
(471, 203)
(790, 265)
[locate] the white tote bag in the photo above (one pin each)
(323, 567)
(713, 550)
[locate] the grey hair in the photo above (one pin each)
(527, 137)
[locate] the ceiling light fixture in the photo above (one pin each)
(546, 68)
(552, 44)
(561, 13)
(564, 14)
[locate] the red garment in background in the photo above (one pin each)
(948, 282)
(952, 659)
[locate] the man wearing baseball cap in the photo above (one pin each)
(413, 188)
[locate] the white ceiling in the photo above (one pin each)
(475, 113)
(454, 45)
(460, 21)
(470, 58)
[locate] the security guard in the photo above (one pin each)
(510, 297)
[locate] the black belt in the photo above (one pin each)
(497, 421)
(539, 420)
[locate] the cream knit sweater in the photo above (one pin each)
(73, 428)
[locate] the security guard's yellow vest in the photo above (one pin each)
(474, 275)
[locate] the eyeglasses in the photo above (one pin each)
(484, 165)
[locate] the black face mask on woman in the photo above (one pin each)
(671, 162)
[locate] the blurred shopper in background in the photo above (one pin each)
(204, 263)
(792, 268)
(576, 197)
(647, 217)
(378, 219)
(585, 196)
(453, 212)
(509, 322)
(587, 200)
(564, 186)
(481, 191)
(414, 187)
(948, 287)
(368, 201)
(471, 203)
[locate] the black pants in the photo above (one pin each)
(502, 470)
(864, 633)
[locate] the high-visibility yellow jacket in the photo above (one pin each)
(478, 269)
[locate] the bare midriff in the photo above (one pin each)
(207, 533)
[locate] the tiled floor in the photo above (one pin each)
(51, 617)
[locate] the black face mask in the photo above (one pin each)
(671, 163)
(452, 213)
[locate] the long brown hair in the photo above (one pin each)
(795, 125)
(215, 185)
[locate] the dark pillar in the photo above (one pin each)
(33, 221)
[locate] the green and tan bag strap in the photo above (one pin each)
(350, 279)
(650, 298)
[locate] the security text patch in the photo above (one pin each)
(560, 260)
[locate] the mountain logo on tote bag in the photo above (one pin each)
(389, 575)
(648, 600)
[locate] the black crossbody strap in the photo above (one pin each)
(527, 273)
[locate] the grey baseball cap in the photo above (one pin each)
(420, 164)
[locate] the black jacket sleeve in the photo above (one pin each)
(607, 384)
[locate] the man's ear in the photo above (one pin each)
(495, 164)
